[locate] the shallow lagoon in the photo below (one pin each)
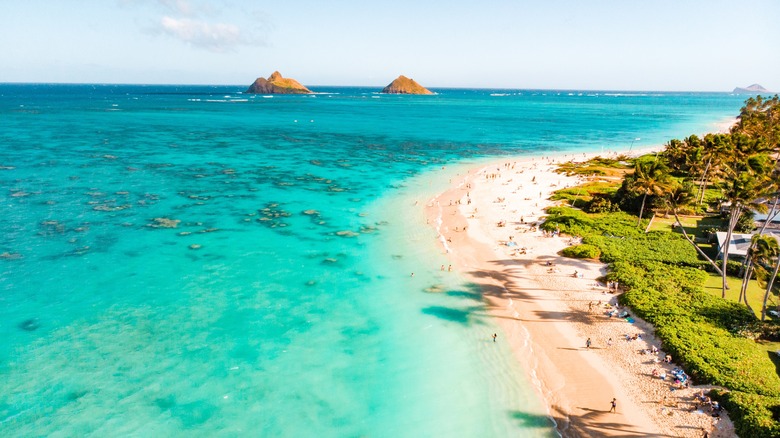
(281, 303)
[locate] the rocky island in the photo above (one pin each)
(404, 85)
(753, 89)
(276, 84)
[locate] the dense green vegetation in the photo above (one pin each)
(582, 252)
(712, 338)
(599, 166)
(664, 271)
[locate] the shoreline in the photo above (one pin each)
(485, 224)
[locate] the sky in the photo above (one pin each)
(679, 45)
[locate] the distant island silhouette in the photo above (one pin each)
(276, 84)
(753, 89)
(404, 85)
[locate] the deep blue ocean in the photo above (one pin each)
(193, 261)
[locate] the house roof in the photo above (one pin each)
(760, 217)
(738, 245)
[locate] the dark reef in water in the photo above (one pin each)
(30, 325)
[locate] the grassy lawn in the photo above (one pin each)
(578, 196)
(771, 349)
(755, 292)
(692, 224)
(599, 167)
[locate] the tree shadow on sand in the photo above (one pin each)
(590, 423)
(514, 284)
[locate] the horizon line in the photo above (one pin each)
(380, 87)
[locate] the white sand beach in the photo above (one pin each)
(487, 224)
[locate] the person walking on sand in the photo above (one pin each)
(587, 343)
(614, 405)
(494, 337)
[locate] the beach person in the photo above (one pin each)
(588, 343)
(442, 267)
(590, 309)
(494, 337)
(614, 405)
(449, 268)
(609, 342)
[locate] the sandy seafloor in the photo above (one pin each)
(282, 302)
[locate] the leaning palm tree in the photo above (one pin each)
(774, 211)
(762, 251)
(651, 177)
(746, 182)
(678, 196)
(770, 283)
(714, 151)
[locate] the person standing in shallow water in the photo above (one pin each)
(494, 337)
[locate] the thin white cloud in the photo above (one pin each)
(216, 25)
(183, 7)
(217, 37)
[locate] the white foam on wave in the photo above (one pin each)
(438, 222)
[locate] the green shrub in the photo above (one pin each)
(601, 204)
(733, 267)
(753, 415)
(663, 278)
(581, 252)
(745, 223)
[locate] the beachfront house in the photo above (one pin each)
(774, 220)
(738, 245)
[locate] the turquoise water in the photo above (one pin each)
(281, 304)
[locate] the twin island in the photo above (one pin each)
(276, 84)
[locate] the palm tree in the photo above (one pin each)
(773, 212)
(760, 118)
(681, 195)
(650, 178)
(763, 249)
(714, 150)
(746, 181)
(770, 283)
